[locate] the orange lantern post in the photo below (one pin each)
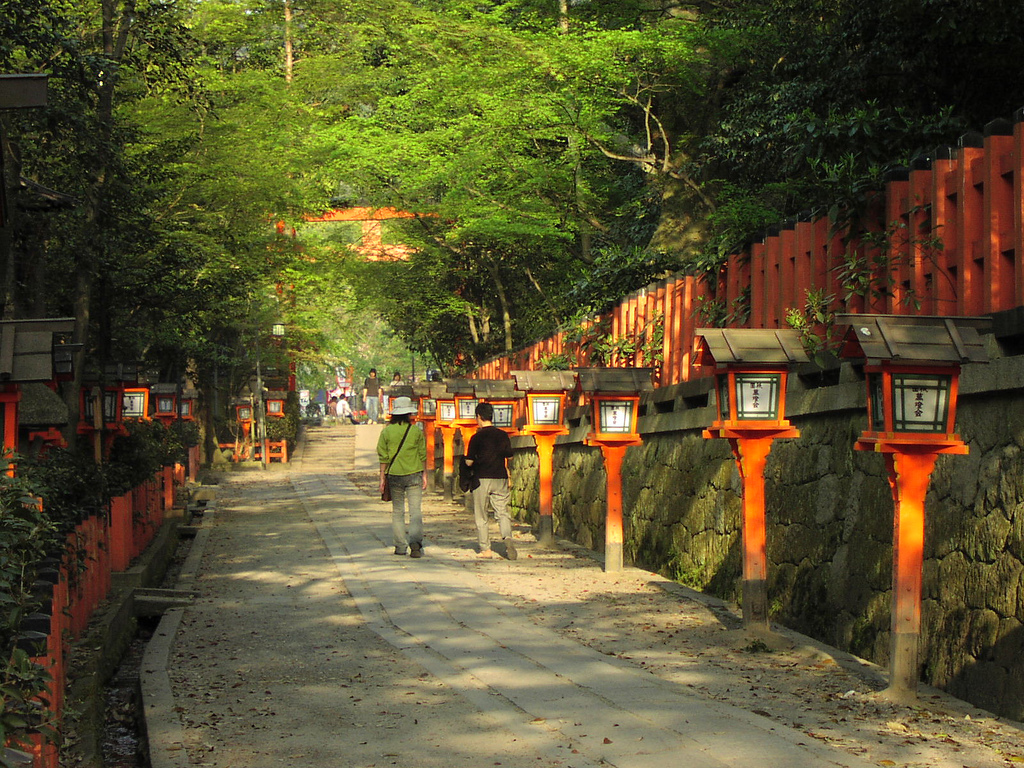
(244, 415)
(751, 367)
(446, 423)
(428, 392)
(463, 391)
(545, 408)
(912, 369)
(614, 395)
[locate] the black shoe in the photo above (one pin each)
(416, 550)
(510, 549)
(399, 552)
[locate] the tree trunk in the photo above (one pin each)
(288, 54)
(8, 175)
(506, 315)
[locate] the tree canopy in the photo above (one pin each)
(557, 155)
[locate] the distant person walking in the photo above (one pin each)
(402, 451)
(371, 396)
(486, 454)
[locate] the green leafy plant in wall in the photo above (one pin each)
(872, 260)
(555, 361)
(715, 312)
(815, 321)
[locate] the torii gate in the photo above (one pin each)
(371, 247)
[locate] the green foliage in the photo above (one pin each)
(715, 312)
(282, 428)
(615, 273)
(815, 321)
(555, 361)
(286, 427)
(138, 456)
(872, 260)
(73, 486)
(27, 535)
(820, 97)
(740, 212)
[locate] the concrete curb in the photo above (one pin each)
(161, 723)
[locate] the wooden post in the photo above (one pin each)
(613, 537)
(909, 475)
(430, 435)
(545, 461)
(448, 439)
(751, 455)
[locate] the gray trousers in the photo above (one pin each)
(493, 490)
(406, 488)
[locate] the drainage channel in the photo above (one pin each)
(123, 741)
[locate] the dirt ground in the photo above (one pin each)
(644, 618)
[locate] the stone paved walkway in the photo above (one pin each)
(310, 644)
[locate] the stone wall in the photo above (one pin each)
(830, 523)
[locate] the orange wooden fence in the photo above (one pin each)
(73, 587)
(946, 238)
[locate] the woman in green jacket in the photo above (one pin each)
(402, 451)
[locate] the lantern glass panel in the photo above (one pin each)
(88, 407)
(616, 416)
(447, 410)
(876, 393)
(165, 405)
(503, 415)
(428, 406)
(275, 406)
(546, 410)
(245, 413)
(467, 408)
(110, 399)
(186, 408)
(920, 402)
(134, 405)
(757, 396)
(723, 397)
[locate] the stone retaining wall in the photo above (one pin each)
(830, 521)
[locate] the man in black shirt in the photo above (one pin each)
(486, 453)
(371, 396)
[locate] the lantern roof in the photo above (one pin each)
(110, 374)
(277, 394)
(399, 390)
(751, 346)
(544, 381)
(460, 386)
(26, 348)
(40, 406)
(430, 389)
(497, 389)
(914, 339)
(615, 380)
